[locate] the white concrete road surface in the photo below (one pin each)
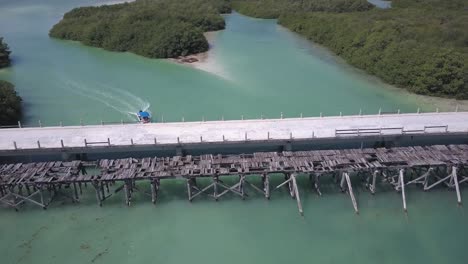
(213, 131)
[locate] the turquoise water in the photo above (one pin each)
(259, 68)
(381, 3)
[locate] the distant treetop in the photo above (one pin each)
(4, 54)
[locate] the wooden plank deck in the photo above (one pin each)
(315, 161)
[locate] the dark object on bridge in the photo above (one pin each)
(144, 117)
(397, 167)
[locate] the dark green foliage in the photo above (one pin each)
(430, 4)
(10, 104)
(274, 8)
(4, 54)
(151, 28)
(424, 51)
(421, 45)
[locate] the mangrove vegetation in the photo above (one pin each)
(151, 28)
(4, 54)
(274, 8)
(10, 104)
(419, 45)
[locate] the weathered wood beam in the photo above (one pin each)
(402, 186)
(296, 193)
(455, 181)
(350, 191)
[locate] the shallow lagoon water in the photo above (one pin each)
(261, 68)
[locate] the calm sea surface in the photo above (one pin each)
(254, 68)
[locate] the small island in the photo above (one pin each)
(150, 28)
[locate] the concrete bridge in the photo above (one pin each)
(180, 138)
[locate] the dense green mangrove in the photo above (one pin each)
(10, 104)
(274, 8)
(4, 54)
(419, 45)
(151, 28)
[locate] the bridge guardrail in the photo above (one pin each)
(262, 117)
(383, 130)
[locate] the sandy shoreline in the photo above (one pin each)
(197, 60)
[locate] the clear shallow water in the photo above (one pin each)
(381, 3)
(261, 68)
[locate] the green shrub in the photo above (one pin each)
(10, 104)
(4, 54)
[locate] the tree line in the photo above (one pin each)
(151, 28)
(10, 102)
(421, 45)
(274, 8)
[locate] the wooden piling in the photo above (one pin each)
(402, 185)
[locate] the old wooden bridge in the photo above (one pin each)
(428, 167)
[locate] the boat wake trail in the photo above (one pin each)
(119, 100)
